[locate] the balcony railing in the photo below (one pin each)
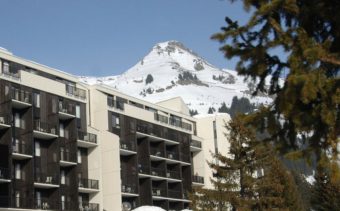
(159, 172)
(66, 107)
(156, 152)
(68, 156)
(173, 174)
(5, 119)
(129, 188)
(76, 92)
(172, 155)
(16, 202)
(44, 127)
(185, 157)
(198, 179)
(21, 95)
(131, 146)
(46, 204)
(195, 143)
(158, 192)
(20, 202)
(85, 206)
(89, 184)
(143, 169)
(174, 194)
(4, 173)
(22, 148)
(46, 178)
(87, 137)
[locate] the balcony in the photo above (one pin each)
(66, 110)
(175, 194)
(21, 151)
(185, 158)
(73, 91)
(127, 148)
(172, 155)
(46, 204)
(86, 140)
(46, 181)
(4, 175)
(129, 190)
(43, 130)
(198, 180)
(157, 172)
(156, 152)
(195, 145)
(173, 175)
(160, 192)
(5, 121)
(88, 186)
(68, 159)
(17, 202)
(20, 98)
(85, 206)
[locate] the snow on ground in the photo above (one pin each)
(152, 208)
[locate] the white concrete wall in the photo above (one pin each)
(108, 153)
(205, 131)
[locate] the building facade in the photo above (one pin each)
(66, 145)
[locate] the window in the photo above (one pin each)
(62, 202)
(115, 121)
(17, 171)
(37, 148)
(5, 67)
(61, 130)
(17, 120)
(38, 199)
(36, 100)
(78, 111)
(17, 199)
(62, 177)
(79, 156)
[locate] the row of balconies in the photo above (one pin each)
(159, 172)
(43, 203)
(43, 180)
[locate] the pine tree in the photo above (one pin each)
(211, 110)
(326, 189)
(223, 108)
(248, 178)
(307, 34)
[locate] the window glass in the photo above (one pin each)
(79, 156)
(17, 171)
(78, 111)
(37, 148)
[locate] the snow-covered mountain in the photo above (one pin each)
(174, 70)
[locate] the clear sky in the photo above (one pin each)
(107, 37)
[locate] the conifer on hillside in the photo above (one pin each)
(250, 177)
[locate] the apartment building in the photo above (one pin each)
(65, 145)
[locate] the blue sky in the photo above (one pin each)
(106, 37)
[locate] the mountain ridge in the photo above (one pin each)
(178, 71)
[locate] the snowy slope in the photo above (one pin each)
(208, 86)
